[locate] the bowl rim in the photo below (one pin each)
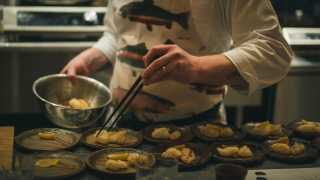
(34, 85)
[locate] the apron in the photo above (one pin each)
(142, 24)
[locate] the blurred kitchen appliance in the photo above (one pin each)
(57, 2)
(297, 13)
(305, 42)
(39, 40)
(51, 24)
(297, 94)
(302, 36)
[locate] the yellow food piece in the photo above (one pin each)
(123, 160)
(209, 130)
(187, 155)
(115, 137)
(78, 103)
(116, 165)
(172, 152)
(103, 137)
(226, 132)
(119, 156)
(46, 163)
(118, 137)
(266, 129)
(215, 131)
(308, 128)
(281, 148)
(164, 133)
(47, 135)
(297, 148)
(235, 151)
(229, 151)
(245, 152)
(175, 135)
(180, 152)
(161, 133)
(135, 158)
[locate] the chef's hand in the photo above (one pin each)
(170, 62)
(85, 63)
(144, 101)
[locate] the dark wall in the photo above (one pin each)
(289, 12)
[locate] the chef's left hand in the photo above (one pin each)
(169, 62)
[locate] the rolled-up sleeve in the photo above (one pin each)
(108, 42)
(260, 54)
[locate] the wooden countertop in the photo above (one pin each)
(6, 147)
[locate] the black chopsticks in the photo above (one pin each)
(123, 105)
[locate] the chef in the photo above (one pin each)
(188, 52)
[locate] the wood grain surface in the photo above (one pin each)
(6, 147)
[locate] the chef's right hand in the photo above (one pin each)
(85, 63)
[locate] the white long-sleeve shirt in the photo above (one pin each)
(245, 31)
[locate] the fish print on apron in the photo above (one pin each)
(142, 24)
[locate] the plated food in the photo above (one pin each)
(285, 147)
(235, 151)
(112, 138)
(181, 153)
(57, 165)
(240, 153)
(47, 135)
(211, 131)
(47, 139)
(186, 155)
(120, 160)
(264, 130)
(290, 150)
(307, 129)
(167, 134)
(47, 162)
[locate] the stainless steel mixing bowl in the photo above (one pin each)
(53, 91)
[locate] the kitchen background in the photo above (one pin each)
(31, 46)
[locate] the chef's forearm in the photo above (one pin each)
(218, 70)
(96, 59)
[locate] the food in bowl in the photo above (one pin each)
(121, 137)
(124, 160)
(235, 151)
(215, 131)
(47, 135)
(265, 129)
(305, 126)
(78, 103)
(180, 152)
(54, 91)
(165, 133)
(46, 163)
(285, 147)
